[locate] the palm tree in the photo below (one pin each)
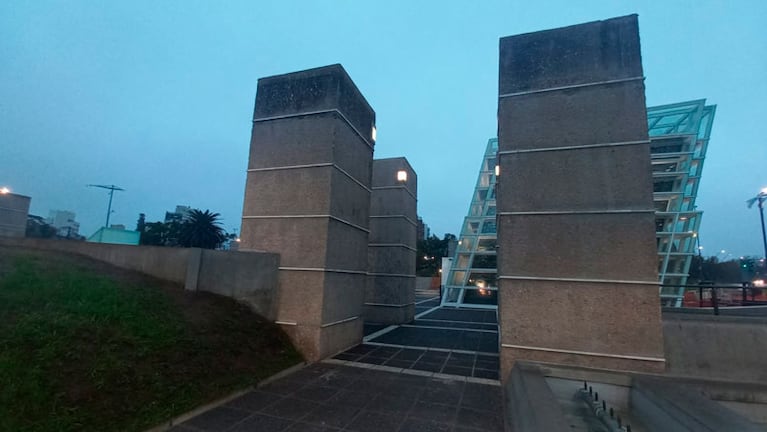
(201, 229)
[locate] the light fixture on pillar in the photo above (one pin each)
(402, 176)
(373, 133)
(497, 170)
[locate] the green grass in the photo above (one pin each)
(85, 351)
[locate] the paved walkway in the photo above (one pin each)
(330, 397)
(439, 373)
(441, 341)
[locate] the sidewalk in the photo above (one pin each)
(329, 397)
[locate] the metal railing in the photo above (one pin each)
(709, 295)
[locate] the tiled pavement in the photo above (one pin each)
(449, 341)
(444, 362)
(328, 397)
(444, 338)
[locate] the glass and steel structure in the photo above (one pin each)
(679, 135)
(471, 279)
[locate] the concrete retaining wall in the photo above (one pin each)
(716, 347)
(423, 283)
(250, 277)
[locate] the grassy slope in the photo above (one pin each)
(87, 347)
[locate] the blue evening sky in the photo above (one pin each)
(157, 96)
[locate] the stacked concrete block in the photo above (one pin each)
(577, 256)
(390, 294)
(307, 197)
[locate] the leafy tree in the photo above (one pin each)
(712, 270)
(141, 227)
(201, 229)
(156, 234)
(429, 254)
(37, 227)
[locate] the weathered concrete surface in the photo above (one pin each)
(575, 201)
(307, 197)
(530, 404)
(14, 209)
(668, 406)
(250, 277)
(716, 347)
(390, 291)
(646, 402)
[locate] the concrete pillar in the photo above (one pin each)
(578, 282)
(390, 294)
(307, 197)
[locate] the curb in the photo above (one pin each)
(175, 421)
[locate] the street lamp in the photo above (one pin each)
(760, 198)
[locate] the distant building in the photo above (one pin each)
(115, 236)
(679, 135)
(178, 215)
(64, 222)
(14, 209)
(422, 230)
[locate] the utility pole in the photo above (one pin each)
(759, 199)
(112, 189)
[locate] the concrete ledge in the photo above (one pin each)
(530, 404)
(665, 405)
(716, 347)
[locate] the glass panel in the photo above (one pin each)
(484, 180)
(452, 295)
(481, 296)
(458, 278)
(669, 290)
(463, 261)
(489, 227)
(482, 280)
(485, 261)
(694, 168)
(486, 244)
(490, 211)
(688, 189)
(471, 227)
(663, 186)
(489, 164)
(465, 244)
(664, 167)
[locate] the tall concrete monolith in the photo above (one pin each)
(390, 294)
(307, 197)
(577, 255)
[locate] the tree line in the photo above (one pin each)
(200, 229)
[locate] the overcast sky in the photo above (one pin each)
(157, 96)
